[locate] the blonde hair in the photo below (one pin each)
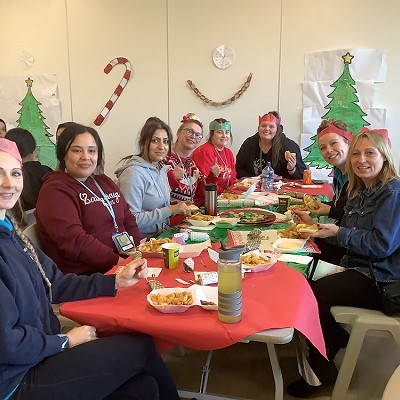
(35, 257)
(386, 174)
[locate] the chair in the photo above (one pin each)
(393, 386)
(28, 217)
(66, 324)
(362, 322)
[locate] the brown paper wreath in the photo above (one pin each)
(233, 98)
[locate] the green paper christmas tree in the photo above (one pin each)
(32, 119)
(343, 106)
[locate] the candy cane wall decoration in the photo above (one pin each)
(118, 90)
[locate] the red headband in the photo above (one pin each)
(269, 118)
(333, 129)
(383, 132)
(10, 148)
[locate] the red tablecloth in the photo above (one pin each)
(278, 298)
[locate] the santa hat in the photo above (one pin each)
(269, 118)
(334, 129)
(11, 148)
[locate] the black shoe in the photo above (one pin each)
(301, 389)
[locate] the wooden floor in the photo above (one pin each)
(243, 370)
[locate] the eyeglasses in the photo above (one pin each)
(191, 132)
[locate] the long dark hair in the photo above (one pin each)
(65, 140)
(277, 141)
(146, 134)
(24, 140)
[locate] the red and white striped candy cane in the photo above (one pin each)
(118, 90)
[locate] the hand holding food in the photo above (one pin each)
(302, 217)
(291, 160)
(131, 273)
(179, 208)
(298, 231)
(290, 156)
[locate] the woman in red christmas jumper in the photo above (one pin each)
(214, 159)
(184, 175)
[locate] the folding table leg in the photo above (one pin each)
(276, 371)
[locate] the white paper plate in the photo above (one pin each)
(283, 245)
(193, 250)
(209, 294)
(196, 222)
(271, 259)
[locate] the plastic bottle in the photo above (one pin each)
(210, 199)
(230, 285)
(267, 178)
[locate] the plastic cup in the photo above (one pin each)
(171, 254)
(283, 203)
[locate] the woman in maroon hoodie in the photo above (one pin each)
(80, 212)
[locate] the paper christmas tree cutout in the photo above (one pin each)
(32, 119)
(343, 106)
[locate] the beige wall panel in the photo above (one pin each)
(39, 28)
(252, 29)
(100, 30)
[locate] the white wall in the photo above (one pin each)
(171, 41)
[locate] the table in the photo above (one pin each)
(281, 289)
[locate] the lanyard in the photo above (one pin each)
(104, 200)
(160, 192)
(187, 176)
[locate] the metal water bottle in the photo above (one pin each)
(210, 199)
(230, 284)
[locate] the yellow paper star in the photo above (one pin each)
(347, 58)
(29, 82)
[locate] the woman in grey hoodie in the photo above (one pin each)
(143, 179)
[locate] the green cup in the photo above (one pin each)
(283, 203)
(171, 254)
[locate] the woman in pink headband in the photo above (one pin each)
(333, 142)
(270, 144)
(37, 361)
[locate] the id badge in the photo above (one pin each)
(122, 242)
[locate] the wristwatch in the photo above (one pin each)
(64, 341)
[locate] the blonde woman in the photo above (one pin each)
(37, 361)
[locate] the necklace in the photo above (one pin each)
(227, 171)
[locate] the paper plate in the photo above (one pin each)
(284, 245)
(200, 294)
(271, 259)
